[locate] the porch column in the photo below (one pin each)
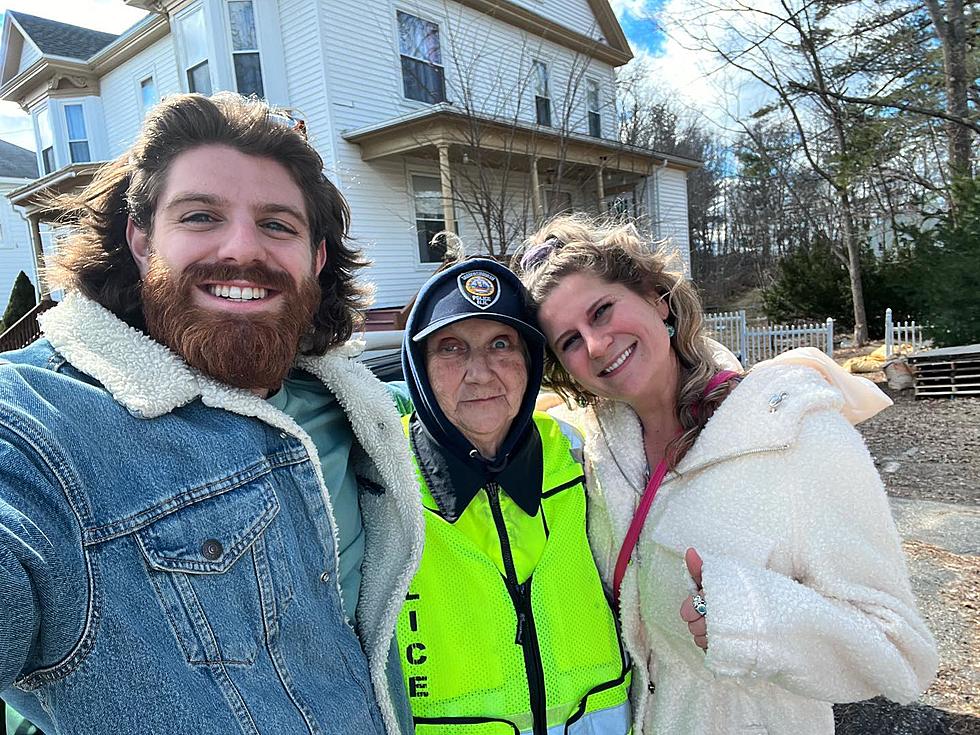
(536, 191)
(600, 186)
(445, 175)
(34, 222)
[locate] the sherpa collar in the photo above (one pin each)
(141, 374)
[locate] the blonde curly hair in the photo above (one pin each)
(617, 253)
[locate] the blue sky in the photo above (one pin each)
(641, 29)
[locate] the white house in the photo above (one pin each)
(478, 116)
(18, 168)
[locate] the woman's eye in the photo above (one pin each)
(450, 348)
(603, 309)
(569, 343)
(501, 343)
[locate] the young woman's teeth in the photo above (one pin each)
(619, 361)
(236, 293)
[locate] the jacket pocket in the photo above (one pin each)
(218, 570)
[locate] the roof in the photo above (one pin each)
(62, 39)
(17, 162)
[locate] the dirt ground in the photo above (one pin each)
(928, 454)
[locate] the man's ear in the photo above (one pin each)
(139, 245)
(320, 257)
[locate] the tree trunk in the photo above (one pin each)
(854, 270)
(951, 31)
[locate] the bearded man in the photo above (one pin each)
(188, 542)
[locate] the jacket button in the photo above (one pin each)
(212, 549)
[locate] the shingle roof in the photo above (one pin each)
(17, 162)
(62, 39)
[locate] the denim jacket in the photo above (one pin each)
(168, 555)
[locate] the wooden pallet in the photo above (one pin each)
(947, 373)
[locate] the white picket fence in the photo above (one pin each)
(753, 345)
(901, 333)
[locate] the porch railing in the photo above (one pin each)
(26, 329)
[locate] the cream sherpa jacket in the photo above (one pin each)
(808, 594)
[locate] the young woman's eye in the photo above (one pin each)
(569, 343)
(602, 310)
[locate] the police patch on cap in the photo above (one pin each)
(481, 288)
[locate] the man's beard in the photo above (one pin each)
(252, 351)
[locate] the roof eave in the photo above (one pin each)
(144, 34)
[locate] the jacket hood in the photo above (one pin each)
(475, 288)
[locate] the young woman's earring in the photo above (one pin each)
(670, 329)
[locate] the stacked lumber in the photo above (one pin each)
(950, 372)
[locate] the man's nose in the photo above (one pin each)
(243, 244)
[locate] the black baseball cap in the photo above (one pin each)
(476, 288)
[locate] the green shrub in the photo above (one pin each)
(22, 300)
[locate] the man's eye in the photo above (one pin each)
(198, 217)
(278, 226)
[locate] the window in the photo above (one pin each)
(542, 97)
(429, 217)
(77, 139)
(422, 71)
(47, 140)
(245, 48)
(148, 93)
(194, 36)
(592, 102)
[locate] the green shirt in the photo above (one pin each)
(315, 409)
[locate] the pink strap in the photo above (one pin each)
(649, 493)
(633, 534)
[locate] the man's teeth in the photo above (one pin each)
(619, 361)
(237, 293)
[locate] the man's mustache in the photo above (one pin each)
(257, 273)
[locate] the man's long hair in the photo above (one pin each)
(96, 261)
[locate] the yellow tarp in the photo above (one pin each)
(875, 361)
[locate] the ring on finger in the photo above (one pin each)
(700, 605)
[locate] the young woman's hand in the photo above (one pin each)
(695, 606)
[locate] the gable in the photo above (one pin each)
(53, 38)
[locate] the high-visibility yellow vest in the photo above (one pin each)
(499, 637)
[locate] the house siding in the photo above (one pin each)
(573, 14)
(475, 48)
(28, 55)
(15, 243)
(669, 213)
(120, 92)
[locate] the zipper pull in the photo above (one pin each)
(519, 640)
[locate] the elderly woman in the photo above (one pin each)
(506, 628)
(802, 598)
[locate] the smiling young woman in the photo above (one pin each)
(764, 521)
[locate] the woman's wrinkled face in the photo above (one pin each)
(612, 341)
(478, 374)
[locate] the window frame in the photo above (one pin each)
(595, 130)
(151, 76)
(186, 64)
(441, 95)
(412, 174)
(46, 166)
(541, 100)
(87, 140)
(257, 51)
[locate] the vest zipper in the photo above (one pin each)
(527, 637)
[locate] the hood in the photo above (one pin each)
(474, 288)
